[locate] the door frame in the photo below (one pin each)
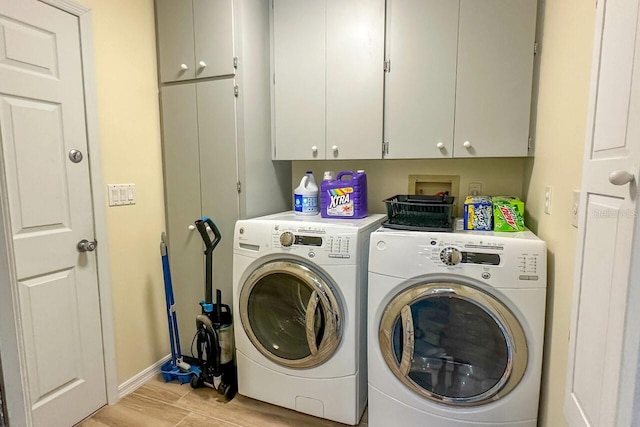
(12, 350)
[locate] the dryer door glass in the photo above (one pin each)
(453, 343)
(290, 314)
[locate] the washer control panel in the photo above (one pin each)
(310, 241)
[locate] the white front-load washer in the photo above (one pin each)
(299, 294)
(455, 328)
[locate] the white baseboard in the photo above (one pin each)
(140, 378)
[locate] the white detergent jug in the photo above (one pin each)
(305, 196)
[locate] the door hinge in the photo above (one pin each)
(236, 90)
(385, 147)
(235, 62)
(529, 144)
(274, 78)
(387, 66)
(535, 48)
(239, 187)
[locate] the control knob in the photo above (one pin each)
(286, 239)
(450, 256)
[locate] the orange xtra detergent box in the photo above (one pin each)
(508, 214)
(478, 213)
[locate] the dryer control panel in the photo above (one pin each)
(505, 259)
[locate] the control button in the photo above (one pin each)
(433, 243)
(450, 256)
(486, 275)
(286, 238)
(312, 254)
(533, 277)
(523, 277)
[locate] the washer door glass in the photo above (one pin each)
(290, 314)
(452, 343)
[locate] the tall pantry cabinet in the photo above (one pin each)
(216, 136)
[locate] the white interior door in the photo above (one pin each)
(600, 328)
(48, 200)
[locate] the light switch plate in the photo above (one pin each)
(121, 194)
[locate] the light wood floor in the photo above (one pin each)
(160, 404)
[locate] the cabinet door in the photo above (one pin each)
(299, 79)
(182, 193)
(422, 38)
(495, 69)
(175, 39)
(219, 171)
(355, 58)
(213, 31)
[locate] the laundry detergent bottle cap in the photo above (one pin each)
(305, 196)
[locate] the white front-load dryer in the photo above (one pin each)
(455, 328)
(299, 297)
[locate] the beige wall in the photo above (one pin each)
(386, 178)
(128, 114)
(565, 65)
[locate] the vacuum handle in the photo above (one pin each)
(201, 225)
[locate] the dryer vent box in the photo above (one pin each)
(427, 185)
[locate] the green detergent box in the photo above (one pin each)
(508, 213)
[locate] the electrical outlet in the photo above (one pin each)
(547, 200)
(475, 188)
(575, 204)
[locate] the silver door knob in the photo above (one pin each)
(86, 246)
(620, 177)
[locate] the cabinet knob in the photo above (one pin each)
(467, 144)
(440, 145)
(314, 149)
(184, 67)
(191, 227)
(334, 148)
(202, 64)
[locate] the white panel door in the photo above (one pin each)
(299, 79)
(606, 225)
(495, 69)
(42, 118)
(213, 37)
(355, 57)
(420, 89)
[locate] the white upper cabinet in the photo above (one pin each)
(328, 79)
(195, 39)
(422, 39)
(460, 78)
(494, 78)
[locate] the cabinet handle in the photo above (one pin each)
(191, 227)
(334, 148)
(202, 64)
(314, 149)
(467, 144)
(440, 145)
(184, 67)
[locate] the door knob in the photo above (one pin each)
(202, 64)
(86, 246)
(440, 145)
(467, 144)
(184, 67)
(621, 177)
(334, 148)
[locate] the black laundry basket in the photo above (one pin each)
(420, 213)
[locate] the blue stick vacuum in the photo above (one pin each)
(176, 368)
